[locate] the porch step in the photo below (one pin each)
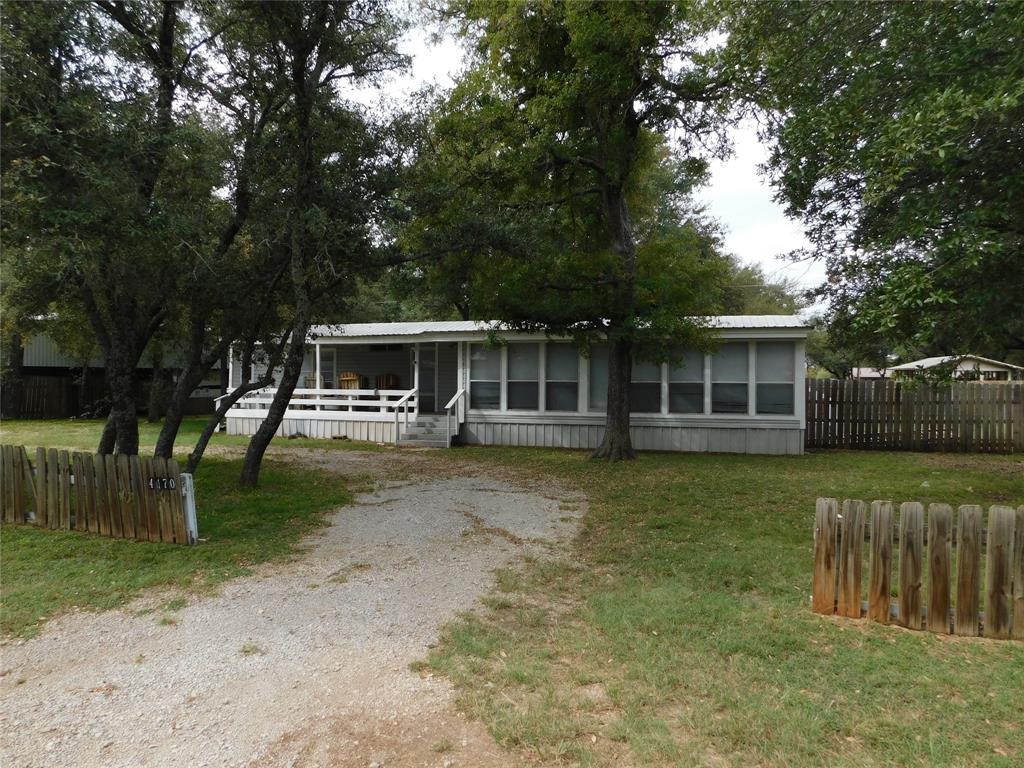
(426, 432)
(422, 442)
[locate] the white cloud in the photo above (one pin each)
(757, 229)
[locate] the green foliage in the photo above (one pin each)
(546, 181)
(897, 137)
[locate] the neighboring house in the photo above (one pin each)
(869, 373)
(58, 386)
(964, 367)
(428, 382)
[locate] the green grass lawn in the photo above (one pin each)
(679, 630)
(43, 573)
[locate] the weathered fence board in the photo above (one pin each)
(837, 555)
(1017, 628)
(851, 542)
(968, 569)
(825, 530)
(940, 556)
(890, 415)
(880, 567)
(911, 551)
(998, 570)
(119, 496)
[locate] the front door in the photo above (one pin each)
(428, 378)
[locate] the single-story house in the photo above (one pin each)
(965, 367)
(430, 382)
(863, 372)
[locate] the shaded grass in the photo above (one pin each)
(47, 572)
(84, 434)
(686, 606)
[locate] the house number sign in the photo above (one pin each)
(163, 483)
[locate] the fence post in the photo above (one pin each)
(188, 500)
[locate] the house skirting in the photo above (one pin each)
(646, 437)
(370, 431)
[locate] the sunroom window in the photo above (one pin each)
(484, 377)
(523, 377)
(686, 384)
(645, 388)
(729, 378)
(561, 389)
(775, 373)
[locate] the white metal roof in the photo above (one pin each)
(932, 362)
(357, 330)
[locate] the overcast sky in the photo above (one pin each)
(757, 230)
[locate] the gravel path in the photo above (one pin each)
(301, 664)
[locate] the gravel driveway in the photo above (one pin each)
(302, 664)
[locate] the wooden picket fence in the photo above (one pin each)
(839, 560)
(962, 416)
(120, 496)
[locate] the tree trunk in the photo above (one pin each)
(121, 381)
(275, 414)
(14, 379)
(109, 436)
(617, 444)
(188, 380)
(225, 405)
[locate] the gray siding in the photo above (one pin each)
(744, 439)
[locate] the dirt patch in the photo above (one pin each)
(303, 663)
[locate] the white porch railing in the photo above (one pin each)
(333, 404)
(403, 403)
(458, 402)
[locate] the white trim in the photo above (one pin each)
(664, 389)
(726, 334)
(752, 378)
(707, 384)
(542, 376)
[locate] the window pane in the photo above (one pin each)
(729, 363)
(644, 371)
(645, 397)
(728, 398)
(562, 363)
(599, 378)
(775, 398)
(523, 395)
(484, 363)
(775, 360)
(523, 362)
(561, 396)
(690, 368)
(686, 398)
(485, 395)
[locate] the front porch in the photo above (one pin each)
(378, 392)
